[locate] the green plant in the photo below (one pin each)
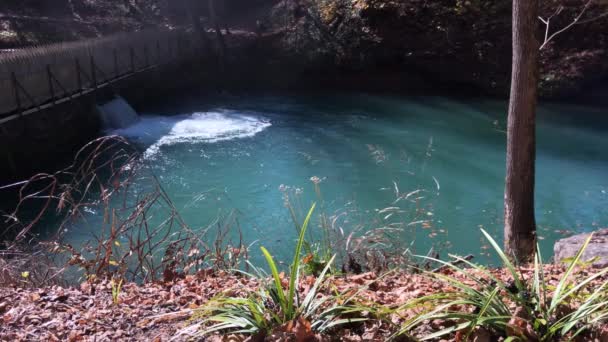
(524, 310)
(362, 243)
(116, 286)
(318, 250)
(273, 307)
(315, 261)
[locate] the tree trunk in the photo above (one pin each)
(520, 225)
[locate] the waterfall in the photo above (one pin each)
(117, 114)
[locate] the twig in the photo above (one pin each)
(126, 245)
(454, 263)
(575, 21)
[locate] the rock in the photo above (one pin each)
(598, 247)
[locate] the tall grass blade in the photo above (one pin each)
(482, 311)
(277, 280)
(505, 260)
(295, 266)
(557, 295)
(313, 290)
(587, 308)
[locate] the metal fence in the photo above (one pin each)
(34, 77)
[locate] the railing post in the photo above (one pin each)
(78, 77)
(146, 59)
(132, 54)
(179, 45)
(49, 74)
(169, 49)
(116, 71)
(93, 76)
(158, 52)
(16, 90)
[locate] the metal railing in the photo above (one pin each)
(35, 78)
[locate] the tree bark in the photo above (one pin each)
(520, 225)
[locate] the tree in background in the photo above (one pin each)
(520, 223)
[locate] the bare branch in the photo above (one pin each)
(592, 19)
(575, 21)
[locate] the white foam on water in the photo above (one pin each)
(207, 127)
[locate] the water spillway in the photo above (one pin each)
(117, 113)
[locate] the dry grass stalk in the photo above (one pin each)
(141, 236)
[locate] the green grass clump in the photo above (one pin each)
(273, 307)
(521, 310)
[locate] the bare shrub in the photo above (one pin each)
(136, 232)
